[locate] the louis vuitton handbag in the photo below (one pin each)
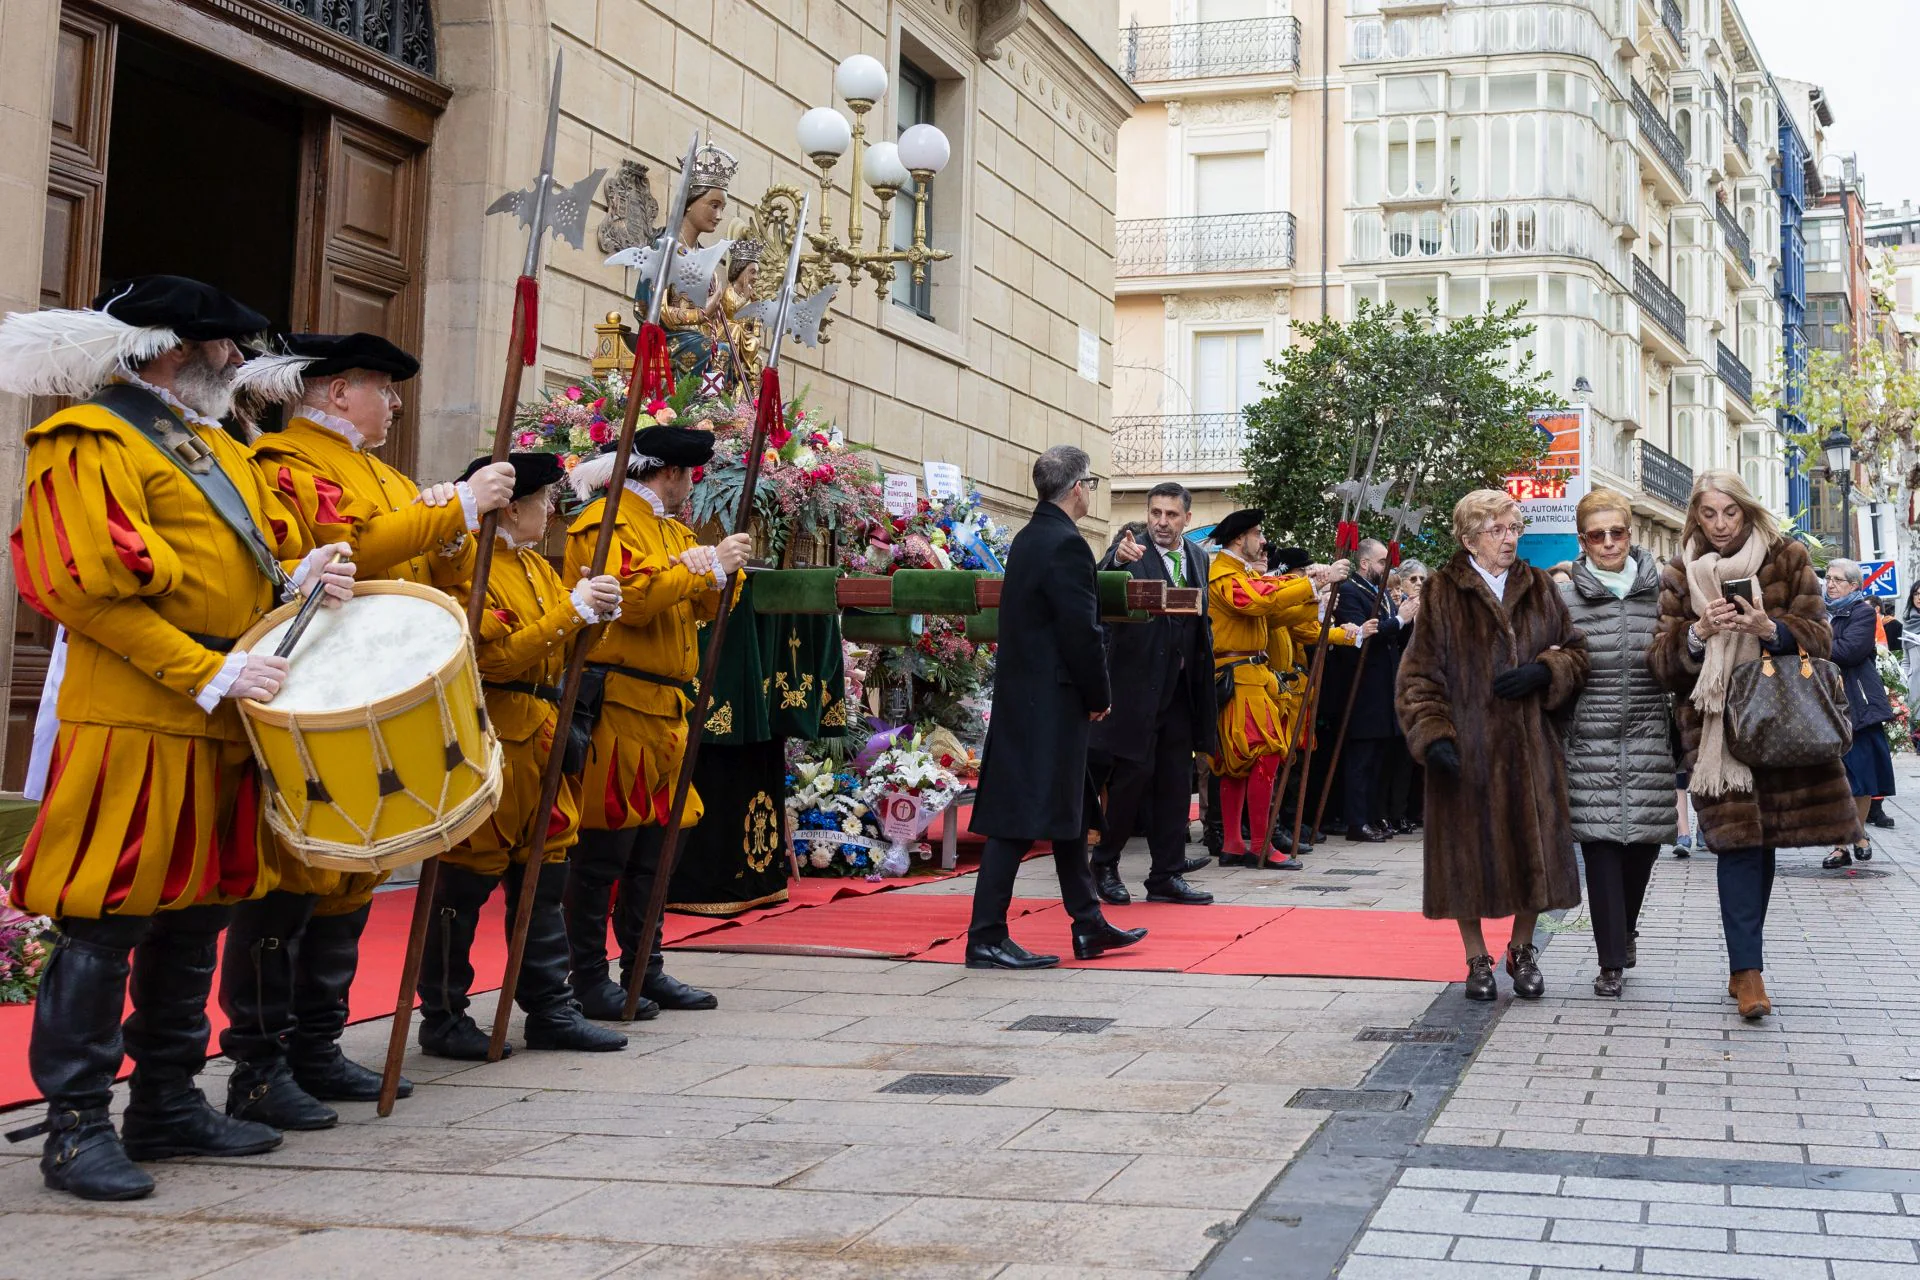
(1783, 714)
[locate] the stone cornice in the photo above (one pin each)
(1065, 58)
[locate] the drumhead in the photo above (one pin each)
(370, 648)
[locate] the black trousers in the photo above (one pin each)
(1162, 783)
(1404, 783)
(1746, 887)
(1362, 769)
(1617, 876)
(993, 888)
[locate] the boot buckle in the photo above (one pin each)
(52, 1124)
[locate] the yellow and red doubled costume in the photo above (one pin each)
(642, 734)
(523, 639)
(152, 804)
(1255, 613)
(343, 494)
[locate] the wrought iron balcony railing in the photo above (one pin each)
(1175, 444)
(1736, 237)
(1662, 475)
(401, 29)
(1734, 372)
(1670, 19)
(1660, 136)
(1659, 302)
(1736, 127)
(1194, 50)
(1225, 242)
(1741, 134)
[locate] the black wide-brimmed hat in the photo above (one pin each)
(193, 310)
(1287, 559)
(672, 446)
(1236, 524)
(532, 472)
(332, 354)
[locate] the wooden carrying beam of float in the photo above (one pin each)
(952, 592)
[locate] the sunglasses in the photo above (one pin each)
(1615, 534)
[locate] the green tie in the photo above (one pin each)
(1173, 567)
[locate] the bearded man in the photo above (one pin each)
(149, 536)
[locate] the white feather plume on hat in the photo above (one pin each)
(72, 352)
(272, 379)
(594, 475)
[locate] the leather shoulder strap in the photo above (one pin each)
(155, 421)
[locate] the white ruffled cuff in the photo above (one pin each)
(209, 697)
(469, 505)
(304, 571)
(586, 612)
(719, 577)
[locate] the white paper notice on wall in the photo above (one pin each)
(902, 494)
(1089, 355)
(943, 481)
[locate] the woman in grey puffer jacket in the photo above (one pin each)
(1619, 754)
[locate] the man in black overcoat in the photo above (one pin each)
(1050, 686)
(1363, 605)
(1163, 709)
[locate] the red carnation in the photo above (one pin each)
(699, 474)
(599, 431)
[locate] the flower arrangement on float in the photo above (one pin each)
(865, 817)
(1893, 674)
(25, 944)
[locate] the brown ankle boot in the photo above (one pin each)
(1747, 988)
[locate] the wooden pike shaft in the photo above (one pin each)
(1340, 738)
(430, 869)
(1308, 701)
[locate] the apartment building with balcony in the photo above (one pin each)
(1219, 238)
(1609, 164)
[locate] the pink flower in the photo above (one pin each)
(600, 431)
(574, 393)
(527, 439)
(599, 406)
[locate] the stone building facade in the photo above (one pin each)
(330, 160)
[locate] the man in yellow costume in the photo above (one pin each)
(292, 954)
(525, 636)
(1255, 614)
(148, 535)
(641, 665)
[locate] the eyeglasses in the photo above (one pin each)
(1092, 483)
(1615, 534)
(1840, 578)
(1502, 530)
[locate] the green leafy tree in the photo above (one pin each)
(1454, 397)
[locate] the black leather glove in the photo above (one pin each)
(1444, 758)
(1522, 681)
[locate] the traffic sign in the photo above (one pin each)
(1878, 578)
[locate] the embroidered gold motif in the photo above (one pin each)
(762, 832)
(835, 716)
(721, 721)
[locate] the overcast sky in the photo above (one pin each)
(1863, 53)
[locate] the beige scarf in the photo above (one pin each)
(1716, 771)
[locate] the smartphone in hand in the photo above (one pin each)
(1740, 589)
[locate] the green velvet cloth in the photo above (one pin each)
(1113, 597)
(934, 591)
(782, 675)
(862, 627)
(804, 591)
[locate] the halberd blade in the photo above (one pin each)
(567, 208)
(695, 271)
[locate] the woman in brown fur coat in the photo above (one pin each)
(1745, 813)
(1495, 653)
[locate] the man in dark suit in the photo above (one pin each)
(1162, 673)
(1363, 604)
(1050, 686)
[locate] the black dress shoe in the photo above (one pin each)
(1608, 984)
(1283, 864)
(1863, 852)
(1837, 859)
(1107, 883)
(1633, 949)
(266, 1093)
(1192, 865)
(1883, 822)
(1366, 835)
(1102, 938)
(1282, 842)
(1005, 954)
(1523, 966)
(1480, 984)
(1238, 860)
(1178, 890)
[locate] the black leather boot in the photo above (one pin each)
(1212, 833)
(636, 886)
(324, 965)
(166, 1037)
(593, 866)
(75, 1050)
(446, 966)
(256, 993)
(554, 1019)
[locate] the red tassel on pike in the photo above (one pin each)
(526, 296)
(1346, 536)
(653, 367)
(1393, 555)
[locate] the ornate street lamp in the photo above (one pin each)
(1838, 448)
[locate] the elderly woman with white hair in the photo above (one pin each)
(1494, 654)
(1856, 651)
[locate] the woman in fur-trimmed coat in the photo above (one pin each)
(1494, 654)
(1745, 813)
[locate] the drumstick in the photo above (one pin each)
(307, 609)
